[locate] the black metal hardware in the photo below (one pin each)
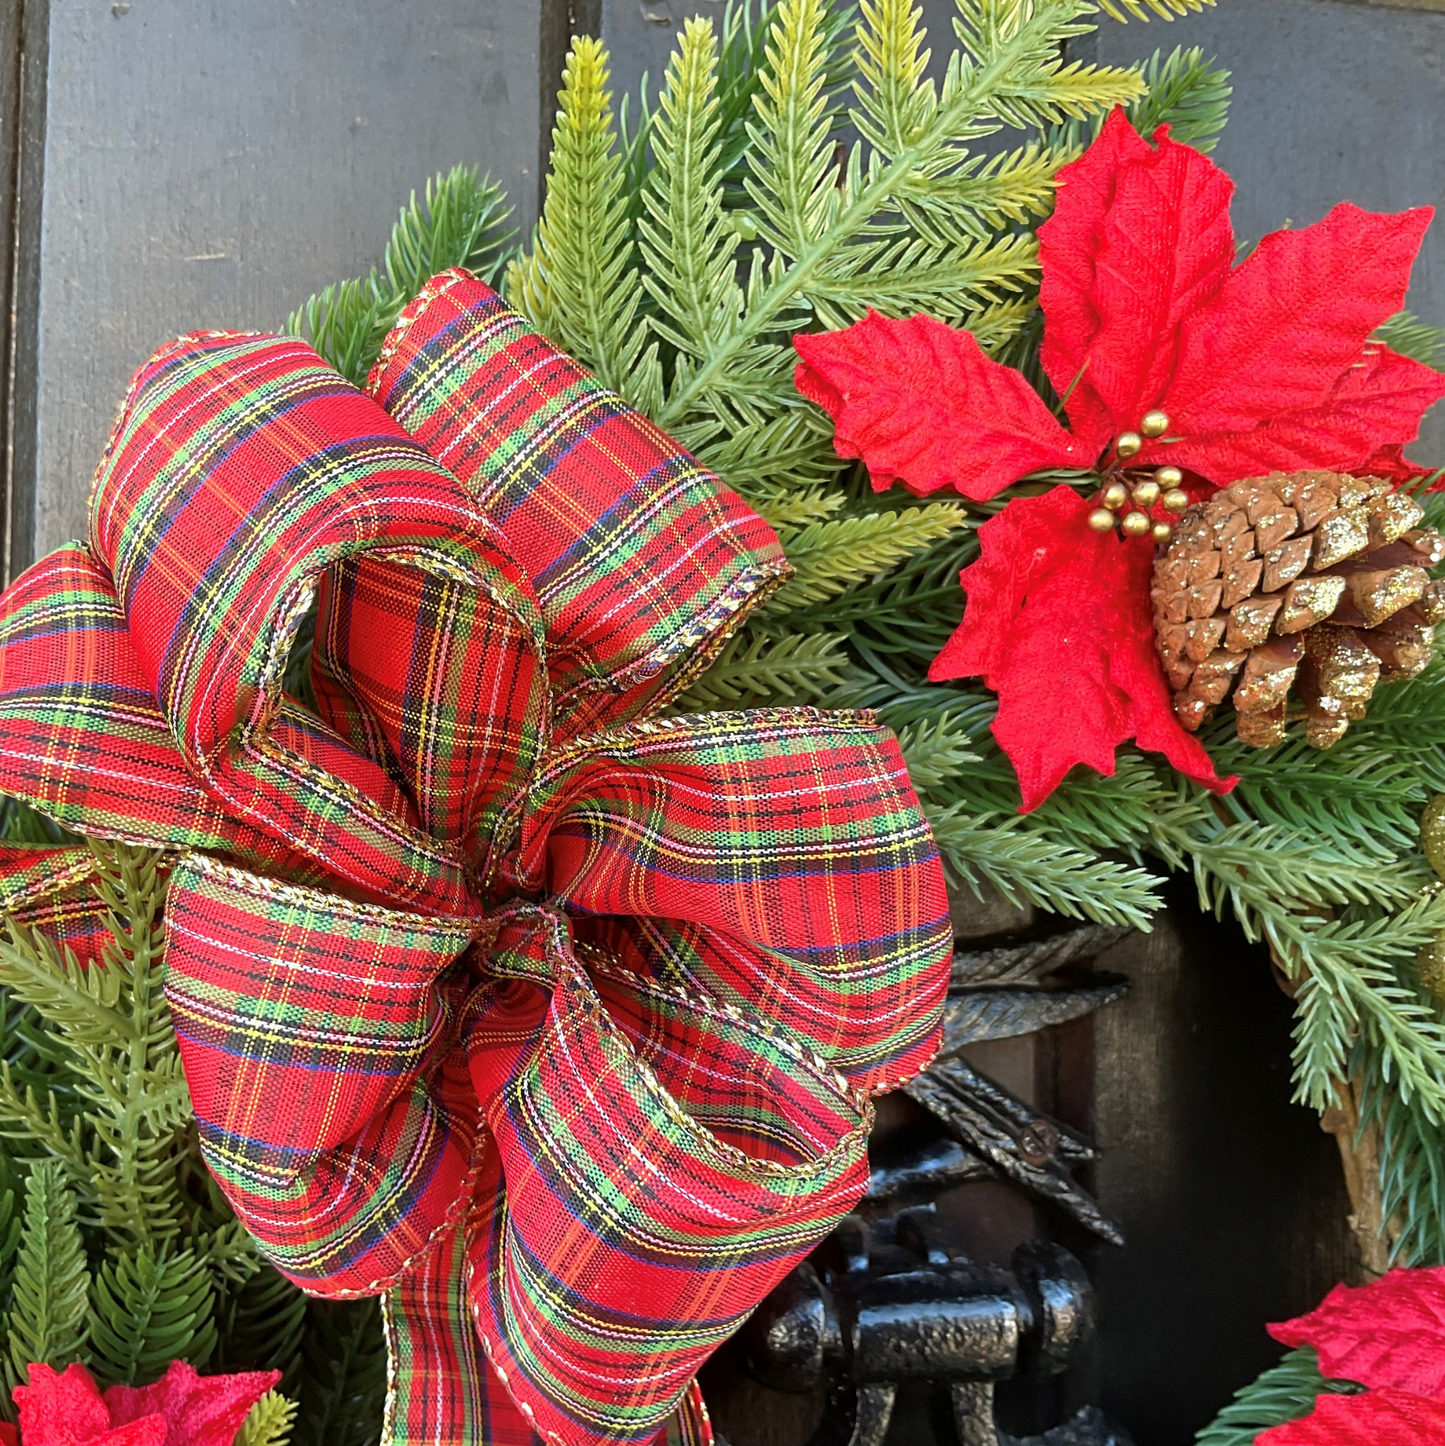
(886, 1302)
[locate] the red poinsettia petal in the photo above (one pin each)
(920, 403)
(1140, 239)
(1392, 463)
(1382, 395)
(1069, 245)
(199, 1410)
(9, 1436)
(1377, 1418)
(1286, 328)
(1058, 625)
(1388, 1333)
(66, 1409)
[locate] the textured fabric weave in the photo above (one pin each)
(550, 1019)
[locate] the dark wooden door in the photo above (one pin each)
(172, 164)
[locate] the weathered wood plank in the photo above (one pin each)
(210, 164)
(25, 48)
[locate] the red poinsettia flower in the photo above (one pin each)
(1388, 1336)
(66, 1408)
(1251, 368)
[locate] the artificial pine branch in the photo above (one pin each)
(1412, 1161)
(754, 669)
(342, 1386)
(1284, 1392)
(830, 557)
(579, 283)
(149, 1310)
(269, 1422)
(935, 751)
(1188, 93)
(1123, 10)
(1411, 337)
(48, 1319)
(262, 1323)
(461, 221)
(1026, 866)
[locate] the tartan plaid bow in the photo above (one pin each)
(549, 1017)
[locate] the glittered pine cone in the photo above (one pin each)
(1308, 578)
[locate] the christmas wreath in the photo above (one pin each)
(1193, 553)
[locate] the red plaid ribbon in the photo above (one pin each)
(550, 1017)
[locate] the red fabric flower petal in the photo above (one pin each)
(1380, 394)
(1140, 239)
(1286, 329)
(65, 1409)
(1377, 1418)
(1058, 625)
(1388, 1333)
(920, 403)
(199, 1410)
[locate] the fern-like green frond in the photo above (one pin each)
(269, 1422)
(983, 194)
(913, 275)
(149, 1310)
(786, 510)
(579, 284)
(48, 1321)
(793, 182)
(896, 99)
(1025, 865)
(832, 556)
(1283, 1393)
(686, 243)
(1125, 10)
(1407, 334)
(755, 669)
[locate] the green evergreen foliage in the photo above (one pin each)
(261, 1326)
(1408, 335)
(343, 1375)
(149, 1310)
(269, 1423)
(1284, 1392)
(48, 1315)
(792, 174)
(797, 166)
(461, 220)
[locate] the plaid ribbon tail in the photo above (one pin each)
(48, 891)
(441, 1389)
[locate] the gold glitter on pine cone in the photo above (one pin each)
(1307, 580)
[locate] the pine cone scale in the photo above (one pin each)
(1311, 583)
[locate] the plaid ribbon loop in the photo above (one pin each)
(550, 1017)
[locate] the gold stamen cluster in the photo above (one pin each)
(1126, 502)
